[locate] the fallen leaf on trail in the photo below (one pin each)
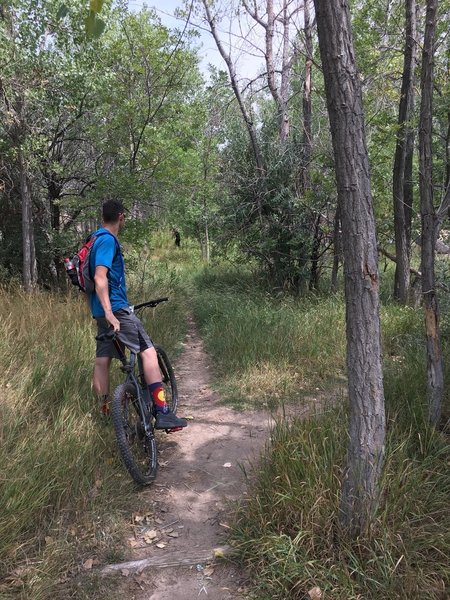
(189, 417)
(218, 553)
(137, 518)
(208, 571)
(161, 545)
(169, 530)
(227, 465)
(48, 539)
(159, 521)
(150, 536)
(88, 564)
(125, 572)
(133, 543)
(315, 593)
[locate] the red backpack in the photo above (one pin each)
(77, 268)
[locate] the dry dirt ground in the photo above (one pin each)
(201, 471)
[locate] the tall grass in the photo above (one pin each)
(62, 486)
(268, 349)
(287, 528)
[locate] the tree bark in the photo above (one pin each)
(307, 104)
(28, 250)
(315, 255)
(360, 487)
(403, 153)
(435, 374)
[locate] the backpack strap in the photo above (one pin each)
(118, 249)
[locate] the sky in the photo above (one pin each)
(246, 65)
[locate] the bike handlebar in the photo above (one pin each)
(151, 303)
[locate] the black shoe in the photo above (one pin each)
(169, 421)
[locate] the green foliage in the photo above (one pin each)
(279, 356)
(73, 104)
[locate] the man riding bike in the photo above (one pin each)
(110, 307)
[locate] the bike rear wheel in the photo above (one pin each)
(137, 449)
(167, 378)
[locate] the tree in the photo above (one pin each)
(432, 219)
(365, 378)
(402, 187)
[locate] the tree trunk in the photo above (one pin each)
(205, 245)
(360, 488)
(234, 84)
(336, 249)
(314, 272)
(28, 250)
(402, 154)
(429, 221)
(307, 104)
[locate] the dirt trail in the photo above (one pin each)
(201, 470)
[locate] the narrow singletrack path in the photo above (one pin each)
(201, 470)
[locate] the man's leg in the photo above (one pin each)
(152, 373)
(100, 381)
(164, 418)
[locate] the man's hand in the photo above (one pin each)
(102, 291)
(115, 323)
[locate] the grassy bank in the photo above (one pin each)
(268, 350)
(65, 494)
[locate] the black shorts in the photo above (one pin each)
(132, 334)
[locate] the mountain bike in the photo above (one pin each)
(132, 407)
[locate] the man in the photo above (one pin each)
(177, 237)
(109, 306)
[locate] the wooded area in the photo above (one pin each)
(336, 152)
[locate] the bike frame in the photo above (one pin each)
(143, 395)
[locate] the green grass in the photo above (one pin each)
(65, 495)
(68, 498)
(266, 349)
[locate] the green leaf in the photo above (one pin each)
(94, 26)
(99, 27)
(62, 12)
(96, 5)
(89, 24)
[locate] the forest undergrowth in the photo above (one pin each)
(67, 498)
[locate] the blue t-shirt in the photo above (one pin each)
(106, 252)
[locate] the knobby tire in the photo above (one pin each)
(137, 450)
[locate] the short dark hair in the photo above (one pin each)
(111, 210)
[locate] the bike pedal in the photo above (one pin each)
(173, 430)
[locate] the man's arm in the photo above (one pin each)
(102, 291)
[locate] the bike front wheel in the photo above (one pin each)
(167, 378)
(137, 448)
